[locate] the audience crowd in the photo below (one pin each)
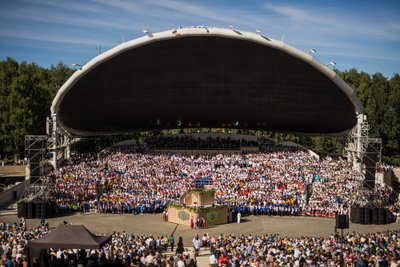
(124, 250)
(372, 249)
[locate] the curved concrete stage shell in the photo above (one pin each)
(205, 77)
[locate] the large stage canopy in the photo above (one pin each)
(205, 77)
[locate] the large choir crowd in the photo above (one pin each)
(372, 249)
(276, 180)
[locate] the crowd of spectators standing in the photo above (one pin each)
(125, 249)
(191, 142)
(278, 180)
(374, 249)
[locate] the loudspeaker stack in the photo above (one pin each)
(342, 221)
(31, 210)
(382, 216)
(370, 216)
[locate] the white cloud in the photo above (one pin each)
(337, 22)
(49, 17)
(45, 37)
(85, 6)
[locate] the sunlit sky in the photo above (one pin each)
(360, 34)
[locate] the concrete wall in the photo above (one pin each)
(396, 174)
(384, 178)
(390, 178)
(13, 171)
(7, 196)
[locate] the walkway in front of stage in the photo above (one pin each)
(255, 225)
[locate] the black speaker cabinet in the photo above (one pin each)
(342, 222)
(31, 210)
(22, 210)
(375, 215)
(382, 216)
(368, 216)
(38, 209)
(355, 215)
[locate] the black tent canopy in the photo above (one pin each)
(67, 237)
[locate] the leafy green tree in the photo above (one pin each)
(26, 92)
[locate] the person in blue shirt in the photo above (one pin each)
(8, 262)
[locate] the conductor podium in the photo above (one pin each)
(198, 204)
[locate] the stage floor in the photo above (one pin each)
(255, 225)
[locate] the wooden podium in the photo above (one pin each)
(198, 203)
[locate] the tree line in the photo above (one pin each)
(27, 91)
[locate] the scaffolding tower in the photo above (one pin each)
(58, 142)
(364, 151)
(35, 153)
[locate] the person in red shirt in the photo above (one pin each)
(223, 260)
(191, 222)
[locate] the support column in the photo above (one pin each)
(54, 136)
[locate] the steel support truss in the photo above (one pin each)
(58, 142)
(363, 150)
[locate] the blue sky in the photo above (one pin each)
(360, 34)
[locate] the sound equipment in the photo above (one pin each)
(21, 209)
(375, 215)
(370, 159)
(362, 215)
(38, 210)
(355, 215)
(342, 221)
(368, 216)
(31, 210)
(382, 216)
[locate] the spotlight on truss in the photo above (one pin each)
(79, 66)
(233, 29)
(331, 64)
(146, 31)
(312, 51)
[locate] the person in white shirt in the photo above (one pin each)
(213, 261)
(180, 262)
